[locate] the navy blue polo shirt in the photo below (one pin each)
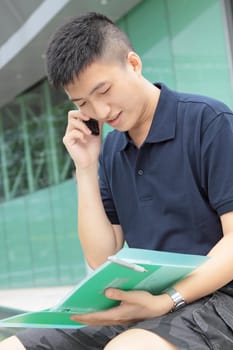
(169, 193)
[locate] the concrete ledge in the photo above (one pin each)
(32, 299)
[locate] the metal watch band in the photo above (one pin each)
(177, 298)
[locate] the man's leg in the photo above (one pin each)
(133, 339)
(139, 339)
(11, 343)
(84, 338)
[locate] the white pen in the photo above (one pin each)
(127, 264)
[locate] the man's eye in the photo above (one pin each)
(82, 104)
(105, 91)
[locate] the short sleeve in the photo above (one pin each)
(217, 163)
(106, 194)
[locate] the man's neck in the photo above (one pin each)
(140, 132)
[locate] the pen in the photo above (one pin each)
(124, 263)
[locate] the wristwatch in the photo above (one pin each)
(177, 298)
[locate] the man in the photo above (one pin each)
(163, 180)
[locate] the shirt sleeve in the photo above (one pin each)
(217, 163)
(106, 194)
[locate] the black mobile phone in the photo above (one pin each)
(93, 125)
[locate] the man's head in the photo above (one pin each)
(82, 41)
(93, 60)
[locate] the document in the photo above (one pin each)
(129, 269)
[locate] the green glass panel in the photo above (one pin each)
(4, 265)
(17, 243)
(42, 235)
(199, 48)
(71, 265)
(149, 33)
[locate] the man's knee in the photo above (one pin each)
(137, 339)
(11, 343)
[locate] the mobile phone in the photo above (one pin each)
(93, 125)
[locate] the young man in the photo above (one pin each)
(163, 180)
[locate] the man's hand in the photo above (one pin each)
(83, 147)
(134, 306)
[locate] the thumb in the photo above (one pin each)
(121, 295)
(117, 294)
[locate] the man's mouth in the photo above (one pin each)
(114, 119)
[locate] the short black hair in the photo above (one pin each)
(80, 41)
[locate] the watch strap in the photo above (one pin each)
(176, 297)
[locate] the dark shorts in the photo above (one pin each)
(205, 324)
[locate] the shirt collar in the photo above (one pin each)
(164, 122)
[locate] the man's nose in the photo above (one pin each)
(101, 111)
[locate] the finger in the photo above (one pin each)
(78, 124)
(130, 297)
(76, 114)
(73, 137)
(106, 317)
(76, 119)
(117, 294)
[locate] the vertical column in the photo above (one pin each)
(4, 170)
(27, 150)
(52, 136)
(52, 190)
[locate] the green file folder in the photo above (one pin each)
(129, 269)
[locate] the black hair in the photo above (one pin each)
(81, 41)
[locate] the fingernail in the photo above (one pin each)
(109, 293)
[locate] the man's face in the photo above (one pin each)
(110, 92)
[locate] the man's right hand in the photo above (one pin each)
(83, 147)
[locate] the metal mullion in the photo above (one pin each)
(27, 150)
(38, 171)
(4, 173)
(11, 115)
(17, 181)
(51, 134)
(65, 168)
(227, 6)
(30, 113)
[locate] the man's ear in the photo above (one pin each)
(134, 62)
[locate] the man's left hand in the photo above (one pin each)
(134, 306)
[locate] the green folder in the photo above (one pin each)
(129, 269)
